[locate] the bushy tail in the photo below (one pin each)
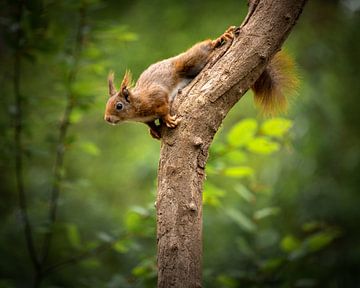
(278, 80)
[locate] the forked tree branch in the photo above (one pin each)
(184, 151)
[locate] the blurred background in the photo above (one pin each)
(281, 199)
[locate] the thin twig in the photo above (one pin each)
(61, 142)
(80, 257)
(18, 129)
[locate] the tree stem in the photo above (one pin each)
(63, 131)
(184, 150)
(18, 131)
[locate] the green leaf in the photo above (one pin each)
(266, 212)
(127, 37)
(244, 247)
(262, 145)
(75, 116)
(245, 193)
(73, 235)
(145, 269)
(242, 132)
(80, 88)
(311, 226)
(140, 210)
(105, 237)
(134, 222)
(236, 157)
(239, 172)
(276, 127)
(226, 281)
(122, 246)
(140, 271)
(218, 149)
(212, 195)
(90, 263)
(89, 148)
(241, 219)
(272, 264)
(92, 52)
(289, 244)
(321, 240)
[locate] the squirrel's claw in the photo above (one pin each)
(171, 121)
(228, 35)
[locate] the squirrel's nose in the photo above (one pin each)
(107, 118)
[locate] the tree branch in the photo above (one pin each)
(18, 129)
(78, 258)
(184, 150)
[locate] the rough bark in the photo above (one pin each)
(184, 150)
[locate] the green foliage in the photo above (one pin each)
(242, 133)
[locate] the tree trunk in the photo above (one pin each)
(184, 150)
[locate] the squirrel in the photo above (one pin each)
(151, 97)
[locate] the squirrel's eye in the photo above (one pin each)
(119, 106)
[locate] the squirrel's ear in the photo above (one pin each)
(112, 90)
(126, 82)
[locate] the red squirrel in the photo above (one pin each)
(151, 97)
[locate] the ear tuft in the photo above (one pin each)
(127, 80)
(112, 90)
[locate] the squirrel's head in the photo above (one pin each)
(119, 107)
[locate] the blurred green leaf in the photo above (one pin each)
(140, 210)
(140, 271)
(236, 157)
(91, 52)
(90, 263)
(81, 88)
(241, 219)
(245, 193)
(289, 243)
(238, 172)
(117, 34)
(311, 226)
(266, 212)
(76, 116)
(262, 145)
(73, 235)
(122, 246)
(212, 195)
(89, 148)
(134, 222)
(243, 132)
(276, 127)
(271, 264)
(105, 237)
(145, 269)
(226, 281)
(244, 247)
(321, 240)
(218, 149)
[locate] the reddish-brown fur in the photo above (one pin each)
(151, 97)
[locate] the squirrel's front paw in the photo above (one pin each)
(228, 35)
(171, 121)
